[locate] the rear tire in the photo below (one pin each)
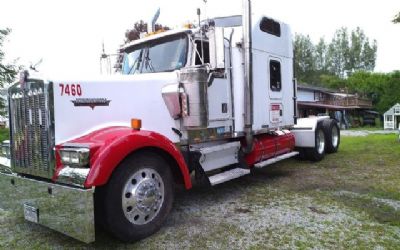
(332, 135)
(302, 154)
(317, 153)
(138, 197)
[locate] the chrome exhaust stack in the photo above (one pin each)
(248, 75)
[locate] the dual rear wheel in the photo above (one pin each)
(327, 140)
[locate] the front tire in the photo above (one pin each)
(138, 197)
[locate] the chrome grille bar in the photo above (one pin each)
(30, 125)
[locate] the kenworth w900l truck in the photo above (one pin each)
(204, 104)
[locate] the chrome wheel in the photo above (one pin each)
(335, 136)
(332, 135)
(317, 152)
(143, 196)
(320, 141)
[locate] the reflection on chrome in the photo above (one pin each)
(61, 208)
(74, 176)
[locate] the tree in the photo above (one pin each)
(320, 56)
(7, 71)
(305, 61)
(397, 18)
(388, 93)
(347, 53)
(139, 28)
(362, 53)
(134, 34)
(338, 53)
(332, 81)
(382, 88)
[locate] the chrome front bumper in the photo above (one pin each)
(61, 208)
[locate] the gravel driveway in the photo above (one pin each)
(350, 200)
(366, 132)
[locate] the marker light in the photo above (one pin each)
(136, 124)
(188, 26)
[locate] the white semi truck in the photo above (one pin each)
(206, 104)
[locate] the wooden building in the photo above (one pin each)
(348, 109)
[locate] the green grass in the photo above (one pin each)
(349, 200)
(4, 134)
(368, 128)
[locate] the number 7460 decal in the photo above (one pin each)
(70, 89)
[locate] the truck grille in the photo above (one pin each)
(31, 141)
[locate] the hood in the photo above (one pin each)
(85, 105)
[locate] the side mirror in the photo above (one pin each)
(217, 48)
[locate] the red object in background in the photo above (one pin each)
(270, 145)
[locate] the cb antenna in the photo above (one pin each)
(201, 34)
(103, 55)
(205, 8)
(105, 58)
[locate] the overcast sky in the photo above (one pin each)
(68, 35)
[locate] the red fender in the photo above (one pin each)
(109, 146)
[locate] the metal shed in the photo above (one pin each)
(392, 117)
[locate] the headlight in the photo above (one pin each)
(75, 157)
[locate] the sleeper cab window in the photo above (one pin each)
(275, 79)
(270, 26)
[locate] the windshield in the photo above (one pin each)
(160, 56)
(132, 61)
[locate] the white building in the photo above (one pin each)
(392, 117)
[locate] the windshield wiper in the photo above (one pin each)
(135, 63)
(133, 67)
(148, 63)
